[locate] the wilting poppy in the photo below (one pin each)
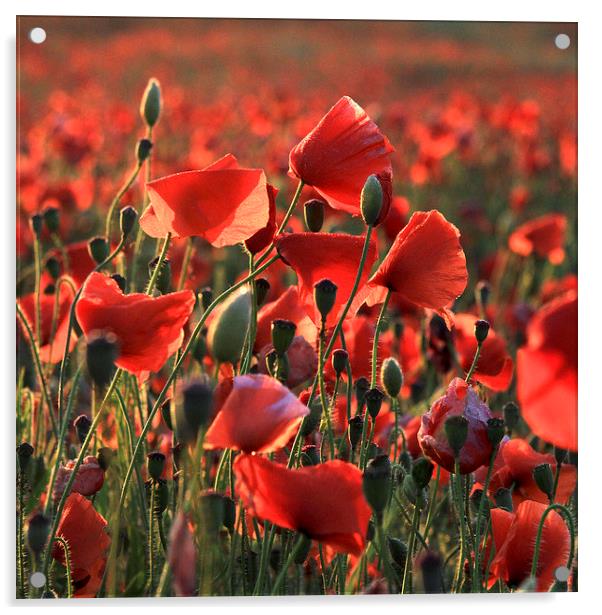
(514, 537)
(102, 306)
(255, 414)
(222, 204)
(89, 479)
(335, 256)
(495, 366)
(460, 399)
(543, 236)
(85, 532)
(547, 373)
(339, 154)
(325, 502)
(426, 264)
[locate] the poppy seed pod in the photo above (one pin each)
(143, 150)
(495, 430)
(283, 332)
(422, 472)
(356, 427)
(150, 105)
(24, 453)
(36, 223)
(559, 455)
(374, 399)
(163, 283)
(313, 212)
(544, 478)
(127, 220)
(456, 430)
(155, 463)
(377, 482)
(51, 219)
(391, 377)
(53, 267)
(121, 281)
(325, 294)
(102, 350)
(228, 330)
(371, 200)
(340, 359)
(82, 426)
(262, 288)
(398, 550)
(38, 529)
(481, 330)
(511, 415)
(195, 410)
(98, 247)
(410, 488)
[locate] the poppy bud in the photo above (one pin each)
(82, 426)
(312, 420)
(206, 297)
(36, 222)
(376, 483)
(24, 453)
(422, 471)
(166, 414)
(127, 220)
(361, 386)
(559, 455)
(163, 283)
(432, 572)
(374, 399)
(51, 219)
(544, 478)
(371, 200)
(143, 150)
(195, 410)
(481, 330)
(405, 461)
(511, 415)
(314, 214)
(262, 288)
(101, 353)
(53, 267)
(150, 105)
(155, 463)
(356, 427)
(503, 499)
(98, 247)
(199, 351)
(482, 294)
(495, 430)
(325, 294)
(391, 377)
(212, 509)
(475, 499)
(340, 359)
(38, 529)
(121, 281)
(283, 332)
(310, 455)
(398, 550)
(105, 456)
(456, 430)
(228, 331)
(302, 551)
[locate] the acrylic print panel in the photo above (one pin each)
(297, 307)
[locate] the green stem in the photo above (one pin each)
(476, 577)
(157, 270)
(68, 575)
(299, 545)
(117, 198)
(379, 321)
(407, 569)
(151, 539)
(475, 360)
(38, 290)
(323, 400)
(20, 547)
(456, 484)
(186, 262)
(269, 532)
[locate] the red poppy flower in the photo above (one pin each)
(514, 537)
(547, 373)
(336, 256)
(325, 502)
(149, 329)
(460, 399)
(397, 217)
(256, 414)
(495, 366)
(301, 357)
(262, 238)
(79, 266)
(85, 532)
(544, 235)
(426, 263)
(222, 204)
(51, 347)
(339, 154)
(89, 479)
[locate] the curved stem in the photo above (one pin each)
(407, 569)
(117, 198)
(475, 360)
(157, 269)
(68, 575)
(381, 316)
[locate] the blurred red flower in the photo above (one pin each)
(262, 238)
(545, 236)
(89, 479)
(79, 263)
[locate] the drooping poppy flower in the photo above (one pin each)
(89, 479)
(85, 532)
(255, 414)
(148, 329)
(460, 399)
(339, 154)
(222, 204)
(325, 502)
(52, 343)
(335, 256)
(544, 236)
(425, 265)
(495, 366)
(514, 537)
(547, 373)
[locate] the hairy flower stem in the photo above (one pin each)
(456, 484)
(151, 540)
(157, 269)
(377, 329)
(68, 568)
(252, 331)
(323, 400)
(475, 361)
(476, 577)
(20, 544)
(406, 584)
(117, 198)
(186, 262)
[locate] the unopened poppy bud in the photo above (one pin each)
(199, 350)
(166, 414)
(371, 200)
(377, 482)
(127, 220)
(262, 288)
(150, 105)
(312, 421)
(228, 331)
(98, 247)
(82, 426)
(52, 219)
(405, 461)
(163, 283)
(544, 478)
(38, 529)
(302, 550)
(155, 463)
(495, 430)
(398, 550)
(24, 453)
(310, 455)
(121, 281)
(206, 297)
(36, 223)
(101, 352)
(559, 455)
(105, 456)
(374, 399)
(481, 330)
(431, 567)
(53, 267)
(503, 499)
(195, 410)
(143, 150)
(361, 386)
(283, 332)
(391, 377)
(422, 471)
(356, 427)
(482, 294)
(475, 498)
(410, 488)
(212, 510)
(229, 513)
(456, 430)
(325, 294)
(314, 214)
(511, 415)
(340, 358)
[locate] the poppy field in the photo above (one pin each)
(296, 308)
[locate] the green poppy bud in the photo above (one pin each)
(374, 399)
(82, 426)
(325, 294)
(544, 478)
(283, 333)
(340, 359)
(356, 427)
(150, 106)
(262, 288)
(143, 150)
(24, 453)
(511, 415)
(481, 330)
(495, 430)
(102, 350)
(422, 472)
(53, 267)
(377, 483)
(194, 411)
(163, 283)
(99, 249)
(456, 430)
(155, 463)
(212, 509)
(36, 223)
(361, 386)
(127, 220)
(371, 200)
(391, 377)
(398, 550)
(228, 331)
(206, 297)
(52, 219)
(314, 214)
